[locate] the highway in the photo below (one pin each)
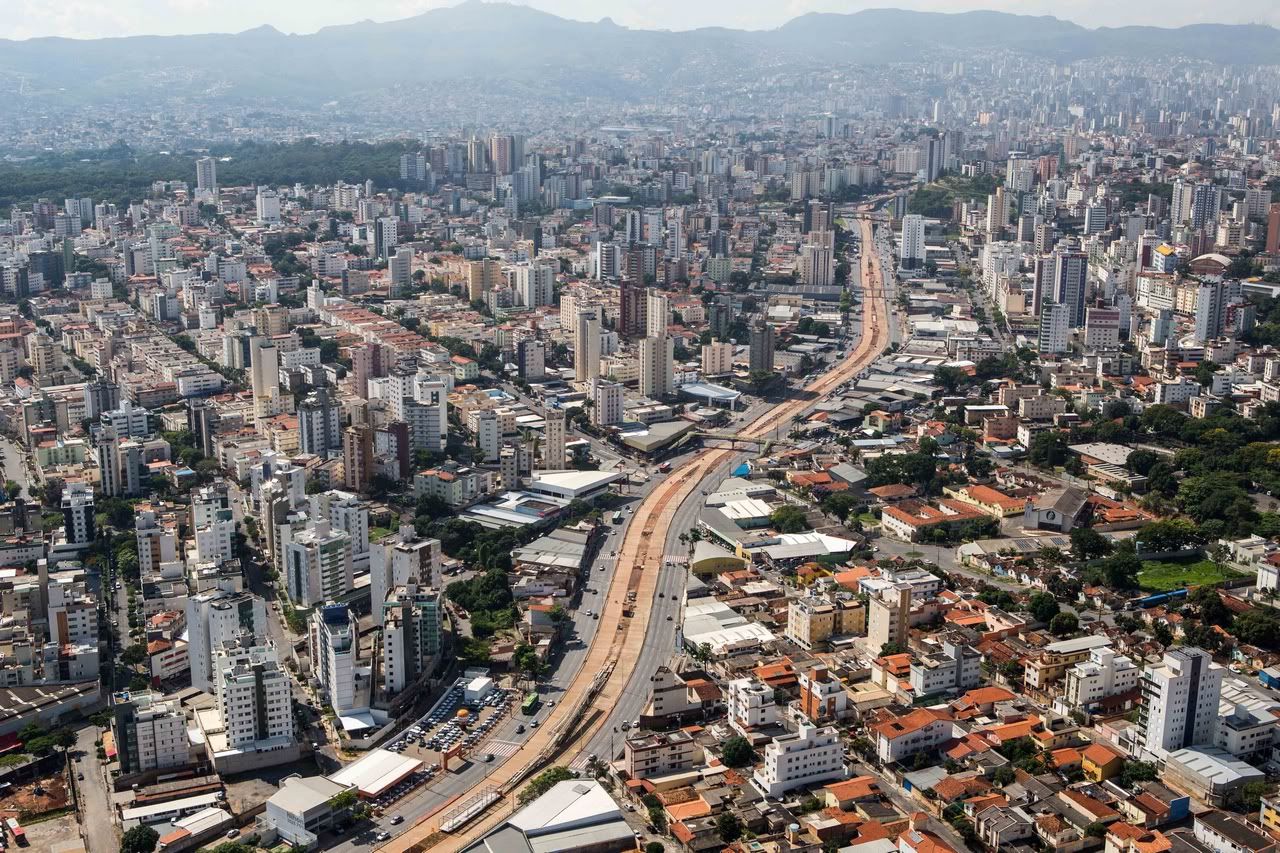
(619, 657)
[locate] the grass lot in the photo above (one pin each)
(1162, 577)
(377, 534)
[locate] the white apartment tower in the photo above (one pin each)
(657, 367)
(1179, 702)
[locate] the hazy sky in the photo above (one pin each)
(97, 18)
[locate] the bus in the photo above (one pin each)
(530, 704)
(19, 834)
(617, 516)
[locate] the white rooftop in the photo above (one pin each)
(571, 484)
(376, 772)
(566, 805)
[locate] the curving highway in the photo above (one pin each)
(634, 634)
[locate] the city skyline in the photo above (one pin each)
(83, 20)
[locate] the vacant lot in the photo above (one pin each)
(1162, 577)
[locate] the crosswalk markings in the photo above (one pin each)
(499, 748)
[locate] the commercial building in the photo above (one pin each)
(302, 809)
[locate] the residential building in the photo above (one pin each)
(888, 616)
(653, 755)
(333, 646)
(318, 565)
(150, 734)
(255, 699)
(921, 730)
(751, 705)
(412, 636)
(822, 696)
(1180, 702)
(214, 619)
(955, 667)
(1104, 676)
(809, 757)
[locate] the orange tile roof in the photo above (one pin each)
(910, 722)
(1100, 754)
(861, 786)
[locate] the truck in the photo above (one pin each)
(664, 468)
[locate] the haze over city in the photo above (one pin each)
(596, 427)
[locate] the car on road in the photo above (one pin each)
(520, 729)
(398, 819)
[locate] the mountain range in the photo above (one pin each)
(488, 41)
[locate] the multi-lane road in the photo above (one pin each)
(634, 630)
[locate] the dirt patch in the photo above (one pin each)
(36, 797)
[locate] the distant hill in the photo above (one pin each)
(481, 41)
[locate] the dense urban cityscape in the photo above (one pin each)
(763, 451)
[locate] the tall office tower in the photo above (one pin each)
(657, 313)
(477, 156)
(536, 284)
(412, 638)
(657, 367)
(319, 427)
(268, 206)
(1095, 219)
(386, 234)
(912, 251)
(606, 399)
(553, 446)
(505, 152)
(1273, 229)
(586, 344)
(400, 269)
(1055, 328)
(357, 456)
(1179, 702)
(816, 265)
(216, 617)
(255, 698)
(207, 174)
(265, 379)
(483, 276)
(1211, 311)
(1070, 282)
(761, 358)
(100, 395)
(531, 360)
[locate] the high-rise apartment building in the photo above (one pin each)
(318, 565)
(333, 644)
(483, 276)
(657, 367)
(586, 344)
(1179, 702)
(149, 734)
(761, 358)
(207, 174)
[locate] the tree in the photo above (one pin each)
(1043, 606)
(1097, 829)
(839, 504)
(654, 847)
(1134, 773)
(140, 839)
(950, 378)
(543, 782)
(1258, 627)
(1088, 544)
(737, 752)
(892, 648)
(1048, 450)
(134, 655)
(729, 827)
(1063, 624)
(789, 519)
(343, 800)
